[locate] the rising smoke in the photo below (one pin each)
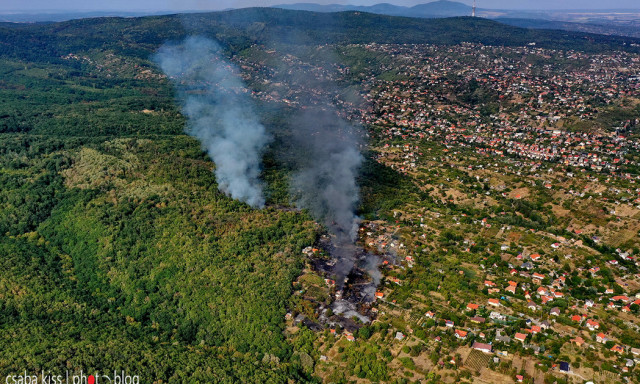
(348, 310)
(220, 114)
(371, 265)
(325, 180)
(326, 148)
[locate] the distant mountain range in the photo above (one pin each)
(440, 8)
(609, 22)
(242, 28)
(52, 16)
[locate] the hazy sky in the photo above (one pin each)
(163, 5)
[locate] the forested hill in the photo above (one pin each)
(239, 28)
(117, 250)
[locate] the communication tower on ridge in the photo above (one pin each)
(473, 10)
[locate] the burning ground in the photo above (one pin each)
(323, 301)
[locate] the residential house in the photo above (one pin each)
(461, 334)
(537, 277)
(621, 298)
(502, 338)
(487, 348)
(601, 338)
(472, 307)
(579, 341)
(617, 348)
(520, 336)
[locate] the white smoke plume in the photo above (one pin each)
(220, 114)
(348, 310)
(325, 178)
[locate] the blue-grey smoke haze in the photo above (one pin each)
(212, 5)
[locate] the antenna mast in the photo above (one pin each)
(473, 10)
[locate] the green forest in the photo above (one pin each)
(117, 250)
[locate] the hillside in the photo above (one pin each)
(604, 29)
(240, 28)
(621, 22)
(440, 8)
(119, 252)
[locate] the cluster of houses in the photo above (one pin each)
(293, 87)
(494, 103)
(538, 101)
(539, 292)
(527, 291)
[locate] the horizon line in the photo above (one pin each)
(177, 10)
